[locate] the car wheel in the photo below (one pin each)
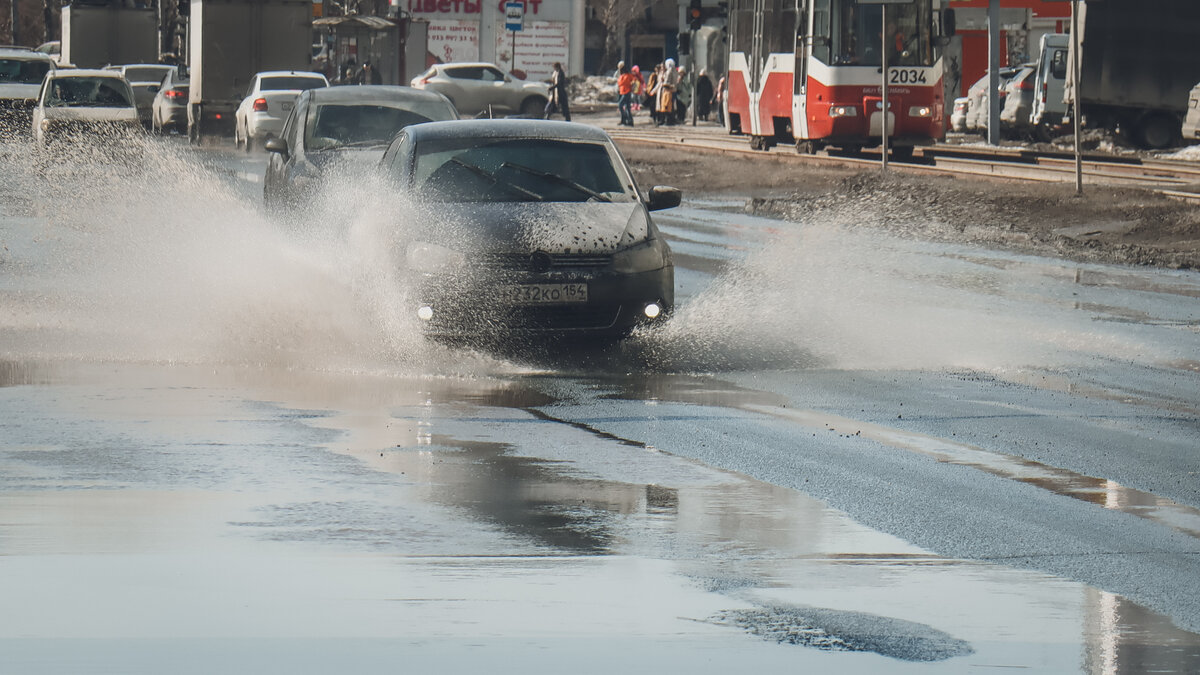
(1158, 130)
(248, 143)
(533, 106)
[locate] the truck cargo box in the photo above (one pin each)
(98, 36)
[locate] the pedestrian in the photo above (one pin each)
(651, 93)
(625, 82)
(639, 87)
(683, 95)
(668, 81)
(368, 74)
(704, 96)
(719, 99)
(558, 94)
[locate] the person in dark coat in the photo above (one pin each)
(558, 94)
(704, 96)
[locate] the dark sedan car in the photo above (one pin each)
(342, 124)
(528, 227)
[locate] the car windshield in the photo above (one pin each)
(101, 92)
(517, 169)
(23, 71)
(146, 74)
(364, 124)
(286, 82)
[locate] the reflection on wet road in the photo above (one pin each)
(847, 453)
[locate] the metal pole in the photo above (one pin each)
(1075, 94)
(883, 38)
(15, 39)
(993, 99)
(513, 61)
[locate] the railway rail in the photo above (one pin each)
(1173, 178)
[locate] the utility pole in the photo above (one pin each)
(15, 39)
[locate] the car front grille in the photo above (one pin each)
(542, 262)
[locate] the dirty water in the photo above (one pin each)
(191, 507)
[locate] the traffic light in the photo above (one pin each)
(695, 15)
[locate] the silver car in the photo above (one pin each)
(84, 107)
(476, 88)
(21, 75)
(169, 109)
(145, 79)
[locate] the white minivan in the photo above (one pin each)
(1048, 105)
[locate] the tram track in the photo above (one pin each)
(1170, 178)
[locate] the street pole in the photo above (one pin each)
(15, 39)
(1075, 94)
(993, 99)
(883, 38)
(513, 60)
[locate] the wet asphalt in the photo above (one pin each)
(220, 450)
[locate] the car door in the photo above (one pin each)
(465, 88)
(500, 96)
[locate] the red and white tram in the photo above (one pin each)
(809, 72)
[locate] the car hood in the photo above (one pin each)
(91, 114)
(12, 90)
(557, 228)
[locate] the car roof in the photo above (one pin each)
(472, 64)
(24, 53)
(282, 73)
(508, 128)
(370, 93)
(139, 65)
(85, 72)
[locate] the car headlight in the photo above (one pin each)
(426, 257)
(843, 111)
(920, 111)
(644, 257)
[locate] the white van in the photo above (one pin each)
(1048, 105)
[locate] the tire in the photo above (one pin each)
(1156, 131)
(533, 106)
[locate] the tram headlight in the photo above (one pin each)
(920, 111)
(843, 111)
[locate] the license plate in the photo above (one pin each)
(545, 294)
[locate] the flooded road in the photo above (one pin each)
(225, 447)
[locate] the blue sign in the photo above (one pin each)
(514, 16)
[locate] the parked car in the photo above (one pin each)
(347, 124)
(528, 228)
(21, 75)
(977, 109)
(476, 88)
(958, 114)
(1018, 101)
(268, 102)
(1191, 123)
(169, 108)
(145, 78)
(1049, 107)
(94, 104)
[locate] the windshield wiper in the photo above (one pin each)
(489, 177)
(558, 179)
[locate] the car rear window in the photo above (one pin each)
(145, 74)
(23, 71)
(516, 169)
(101, 92)
(334, 125)
(285, 82)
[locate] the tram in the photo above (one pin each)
(809, 72)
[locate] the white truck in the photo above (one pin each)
(1048, 105)
(230, 41)
(94, 36)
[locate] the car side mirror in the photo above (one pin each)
(663, 197)
(277, 145)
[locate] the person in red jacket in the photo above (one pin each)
(625, 84)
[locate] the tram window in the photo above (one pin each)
(820, 31)
(857, 34)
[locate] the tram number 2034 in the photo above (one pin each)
(906, 76)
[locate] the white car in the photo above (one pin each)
(84, 103)
(21, 75)
(476, 88)
(267, 104)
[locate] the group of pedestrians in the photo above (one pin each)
(667, 93)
